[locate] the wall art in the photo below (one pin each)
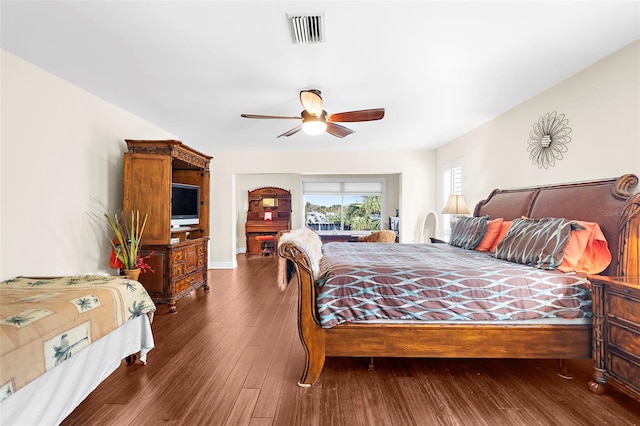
(548, 140)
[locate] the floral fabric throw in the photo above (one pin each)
(45, 321)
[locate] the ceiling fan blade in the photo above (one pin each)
(361, 115)
(269, 116)
(292, 131)
(338, 130)
(311, 101)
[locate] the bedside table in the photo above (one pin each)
(616, 333)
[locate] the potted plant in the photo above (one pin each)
(128, 236)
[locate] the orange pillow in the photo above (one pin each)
(586, 251)
(490, 234)
(504, 228)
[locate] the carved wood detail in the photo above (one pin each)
(629, 243)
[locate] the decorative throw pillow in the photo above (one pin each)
(492, 231)
(587, 250)
(504, 228)
(535, 242)
(468, 231)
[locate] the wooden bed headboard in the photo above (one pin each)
(607, 202)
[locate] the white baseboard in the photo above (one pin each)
(223, 265)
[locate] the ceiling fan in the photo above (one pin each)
(316, 121)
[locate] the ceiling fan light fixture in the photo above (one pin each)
(316, 121)
(314, 127)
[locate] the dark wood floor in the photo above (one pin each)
(232, 356)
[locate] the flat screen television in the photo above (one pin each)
(185, 205)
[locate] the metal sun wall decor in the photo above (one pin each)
(548, 140)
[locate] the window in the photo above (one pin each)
(343, 205)
(452, 180)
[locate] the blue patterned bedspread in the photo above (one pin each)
(373, 281)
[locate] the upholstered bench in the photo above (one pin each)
(268, 244)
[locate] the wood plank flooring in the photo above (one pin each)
(231, 356)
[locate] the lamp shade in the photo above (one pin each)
(455, 205)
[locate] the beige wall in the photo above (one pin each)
(602, 104)
(61, 149)
(234, 173)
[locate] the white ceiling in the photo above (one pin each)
(439, 68)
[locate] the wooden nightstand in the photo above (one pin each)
(616, 333)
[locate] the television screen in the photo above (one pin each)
(185, 204)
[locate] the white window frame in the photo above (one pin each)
(453, 180)
(343, 186)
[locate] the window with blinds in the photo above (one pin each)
(452, 180)
(343, 205)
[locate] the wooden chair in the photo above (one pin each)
(385, 236)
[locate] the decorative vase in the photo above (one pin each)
(132, 274)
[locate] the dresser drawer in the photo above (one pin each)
(178, 269)
(178, 256)
(625, 370)
(624, 338)
(202, 256)
(624, 304)
(187, 282)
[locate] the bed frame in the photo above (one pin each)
(607, 202)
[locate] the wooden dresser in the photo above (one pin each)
(180, 268)
(616, 333)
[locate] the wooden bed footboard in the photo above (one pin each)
(479, 340)
(312, 336)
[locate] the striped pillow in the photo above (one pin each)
(535, 242)
(468, 231)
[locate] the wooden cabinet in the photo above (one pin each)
(180, 268)
(179, 256)
(616, 322)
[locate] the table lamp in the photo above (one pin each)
(456, 207)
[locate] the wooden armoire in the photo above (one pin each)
(178, 256)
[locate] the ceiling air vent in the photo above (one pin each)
(307, 28)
